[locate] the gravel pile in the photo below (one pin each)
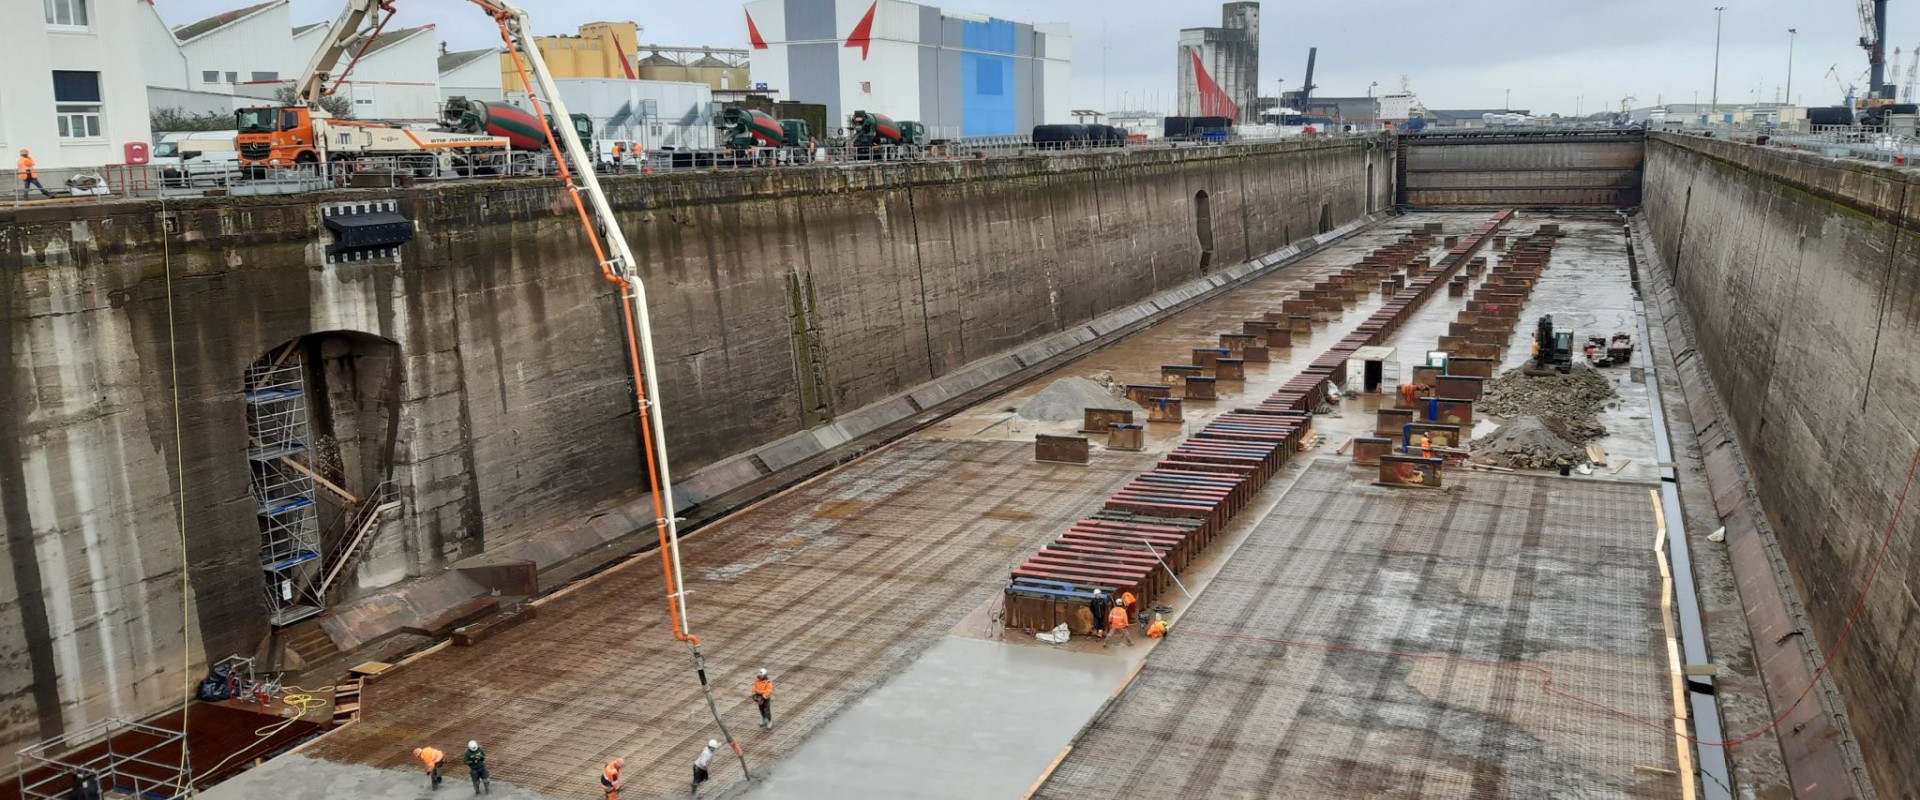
(1568, 405)
(1069, 398)
(1526, 443)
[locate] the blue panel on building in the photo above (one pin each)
(987, 99)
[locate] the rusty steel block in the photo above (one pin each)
(1207, 356)
(1199, 388)
(1164, 409)
(1176, 373)
(1443, 435)
(1368, 450)
(1425, 375)
(1452, 344)
(1390, 421)
(1458, 387)
(1257, 327)
(1061, 449)
(1236, 343)
(1230, 369)
(1300, 323)
(1126, 436)
(1488, 352)
(1142, 394)
(1279, 338)
(1409, 472)
(1097, 420)
(1471, 367)
(1452, 412)
(1457, 287)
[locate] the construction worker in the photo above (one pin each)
(1426, 446)
(701, 762)
(1117, 622)
(1157, 629)
(433, 758)
(610, 778)
(1099, 605)
(763, 697)
(1130, 603)
(476, 759)
(619, 151)
(29, 177)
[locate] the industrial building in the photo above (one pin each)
(599, 50)
(1220, 67)
(650, 114)
(78, 97)
(470, 73)
(958, 74)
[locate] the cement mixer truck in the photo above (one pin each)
(876, 136)
(525, 135)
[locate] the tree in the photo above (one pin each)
(180, 120)
(339, 107)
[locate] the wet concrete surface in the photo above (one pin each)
(969, 719)
(300, 777)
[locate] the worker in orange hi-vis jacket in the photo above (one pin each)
(610, 778)
(433, 758)
(1117, 622)
(29, 177)
(763, 697)
(1426, 446)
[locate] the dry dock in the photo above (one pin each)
(1346, 639)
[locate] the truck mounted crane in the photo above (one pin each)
(303, 133)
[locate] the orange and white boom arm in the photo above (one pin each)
(617, 264)
(353, 18)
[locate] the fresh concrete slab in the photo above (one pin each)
(969, 719)
(297, 777)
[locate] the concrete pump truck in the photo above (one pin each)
(304, 134)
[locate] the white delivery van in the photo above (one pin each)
(201, 158)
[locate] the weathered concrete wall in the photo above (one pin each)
(1800, 276)
(1492, 168)
(483, 372)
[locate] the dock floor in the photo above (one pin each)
(847, 583)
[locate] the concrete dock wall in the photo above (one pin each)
(1801, 279)
(482, 370)
(1532, 169)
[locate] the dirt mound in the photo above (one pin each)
(1069, 398)
(1526, 443)
(1567, 404)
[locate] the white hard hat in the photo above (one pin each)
(714, 743)
(763, 672)
(473, 745)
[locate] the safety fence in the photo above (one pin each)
(176, 180)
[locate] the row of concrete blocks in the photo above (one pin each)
(1443, 411)
(1203, 481)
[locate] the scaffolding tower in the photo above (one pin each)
(112, 758)
(277, 435)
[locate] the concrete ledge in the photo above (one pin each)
(968, 378)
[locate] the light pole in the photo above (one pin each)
(1370, 88)
(1792, 34)
(1508, 105)
(1715, 102)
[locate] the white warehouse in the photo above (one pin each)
(958, 74)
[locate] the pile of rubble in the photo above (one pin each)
(1569, 405)
(1526, 443)
(1069, 398)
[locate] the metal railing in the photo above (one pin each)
(168, 180)
(115, 755)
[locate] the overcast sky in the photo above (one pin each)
(1552, 54)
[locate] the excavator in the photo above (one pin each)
(304, 133)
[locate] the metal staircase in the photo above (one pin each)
(350, 537)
